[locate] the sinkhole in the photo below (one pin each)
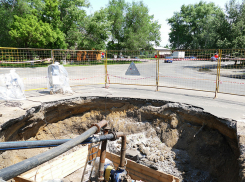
(175, 138)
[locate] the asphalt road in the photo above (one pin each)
(200, 75)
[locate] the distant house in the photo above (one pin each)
(163, 51)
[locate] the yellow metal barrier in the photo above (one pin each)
(30, 64)
(213, 70)
(84, 67)
(106, 73)
(189, 69)
(232, 71)
(132, 67)
(157, 70)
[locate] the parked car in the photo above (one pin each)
(213, 58)
(168, 61)
(190, 57)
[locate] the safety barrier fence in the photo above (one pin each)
(189, 69)
(131, 67)
(231, 71)
(210, 70)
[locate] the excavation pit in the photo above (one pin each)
(175, 138)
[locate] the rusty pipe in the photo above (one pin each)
(103, 157)
(123, 148)
(100, 125)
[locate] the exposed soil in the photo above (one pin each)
(178, 139)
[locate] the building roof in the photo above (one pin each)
(161, 48)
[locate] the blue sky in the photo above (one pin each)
(161, 9)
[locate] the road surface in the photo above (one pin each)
(200, 75)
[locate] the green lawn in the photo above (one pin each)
(83, 63)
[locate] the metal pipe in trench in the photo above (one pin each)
(102, 158)
(21, 167)
(103, 154)
(48, 143)
(123, 148)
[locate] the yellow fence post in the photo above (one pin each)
(220, 55)
(157, 70)
(2, 57)
(52, 55)
(106, 69)
(218, 74)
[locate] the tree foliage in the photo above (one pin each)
(236, 19)
(9, 8)
(31, 32)
(197, 26)
(95, 31)
(205, 25)
(132, 26)
(116, 11)
(64, 24)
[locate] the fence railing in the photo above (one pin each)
(210, 70)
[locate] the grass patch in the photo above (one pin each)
(81, 63)
(23, 65)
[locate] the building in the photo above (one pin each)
(163, 51)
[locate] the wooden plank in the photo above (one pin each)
(58, 173)
(75, 155)
(148, 171)
(54, 168)
(50, 174)
(18, 179)
(141, 170)
(113, 157)
(59, 162)
(132, 173)
(58, 168)
(141, 176)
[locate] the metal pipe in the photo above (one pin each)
(48, 143)
(21, 167)
(123, 148)
(102, 157)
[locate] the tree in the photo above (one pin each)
(5, 40)
(64, 24)
(26, 25)
(116, 11)
(9, 8)
(197, 26)
(95, 31)
(235, 16)
(31, 32)
(62, 17)
(140, 29)
(132, 26)
(73, 18)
